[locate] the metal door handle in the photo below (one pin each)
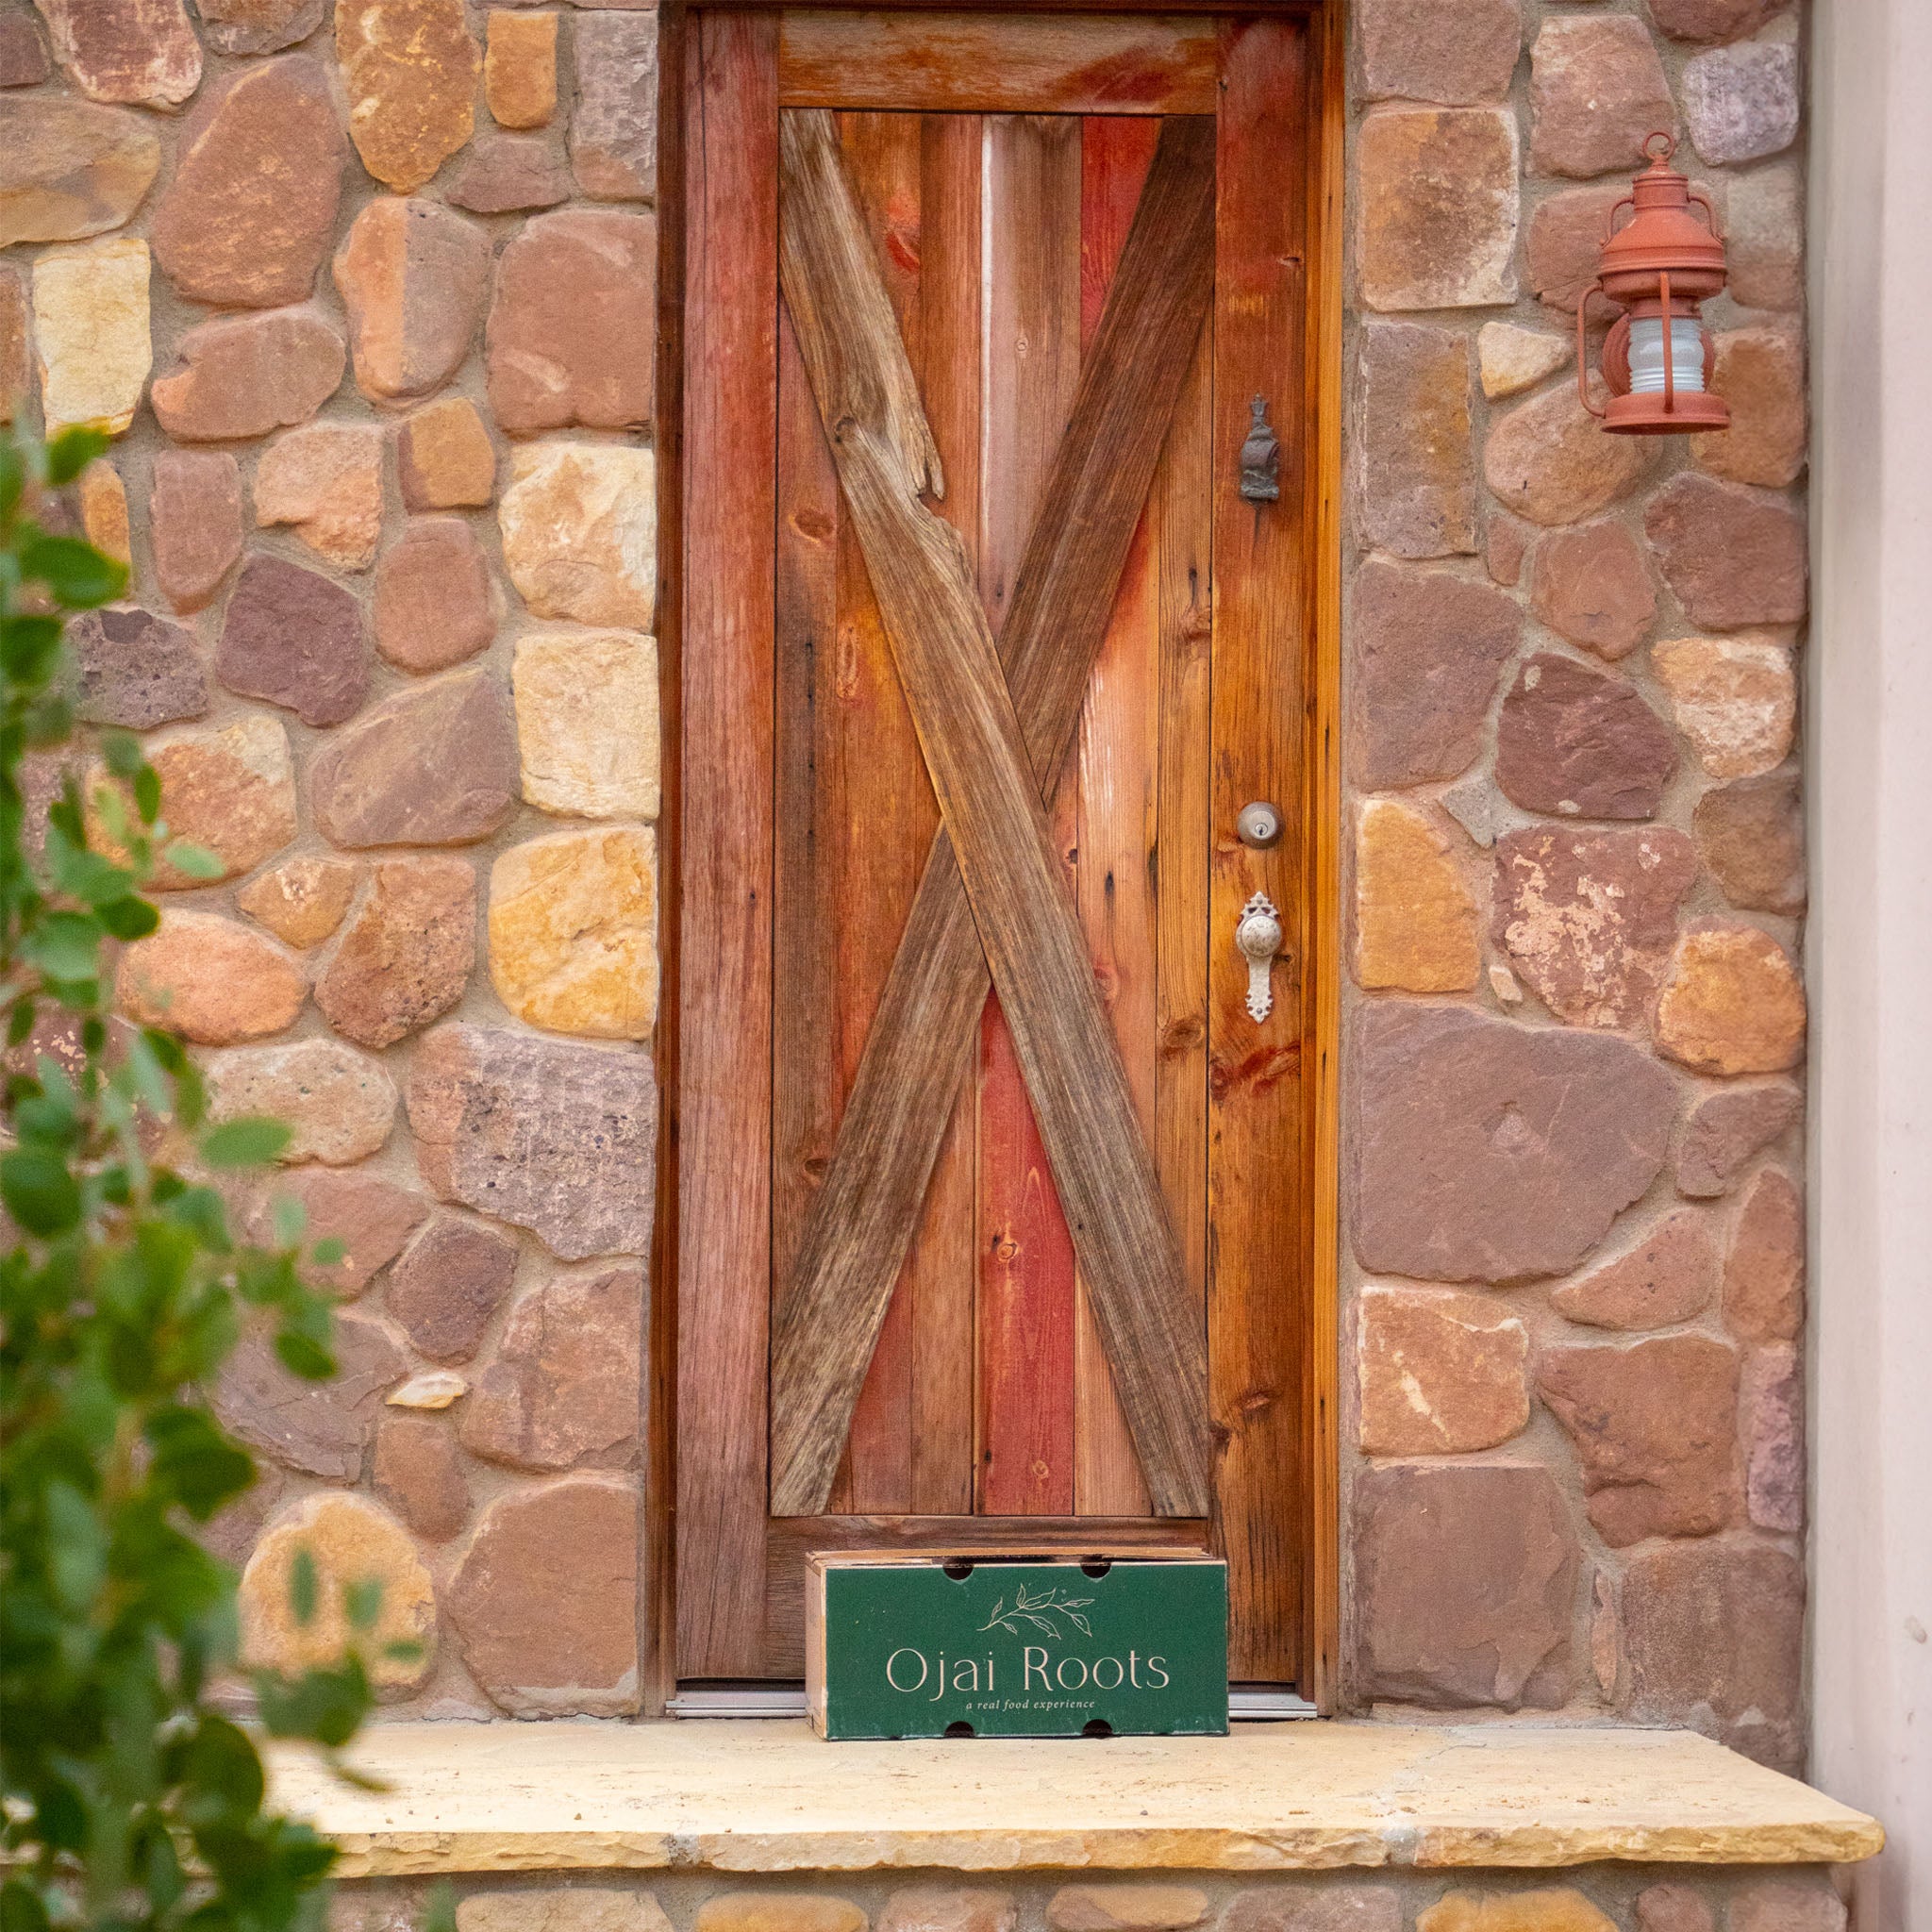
(1259, 938)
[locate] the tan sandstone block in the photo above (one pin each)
(1732, 1004)
(301, 902)
(947, 1908)
(562, 1909)
(1735, 698)
(1559, 1908)
(573, 932)
(587, 722)
(1415, 919)
(1125, 1907)
(1513, 358)
(1439, 208)
(90, 333)
(778, 1911)
(444, 458)
(326, 478)
(209, 979)
(104, 511)
(1438, 1372)
(1761, 373)
(351, 1542)
(339, 1105)
(580, 532)
(520, 68)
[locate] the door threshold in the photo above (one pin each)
(1246, 1702)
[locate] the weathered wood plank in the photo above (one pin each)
(954, 685)
(794, 1538)
(923, 1033)
(723, 1169)
(1257, 1311)
(960, 62)
(1026, 1266)
(1113, 796)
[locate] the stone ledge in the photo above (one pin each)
(768, 1796)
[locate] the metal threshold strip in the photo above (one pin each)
(1246, 1702)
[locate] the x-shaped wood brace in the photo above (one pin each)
(995, 736)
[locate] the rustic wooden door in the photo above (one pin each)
(993, 1171)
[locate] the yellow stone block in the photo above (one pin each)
(1554, 1908)
(587, 722)
(1415, 920)
(90, 333)
(778, 1911)
(520, 68)
(573, 932)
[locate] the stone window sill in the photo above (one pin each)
(768, 1796)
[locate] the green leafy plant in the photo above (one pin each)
(131, 1800)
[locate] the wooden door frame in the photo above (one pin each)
(658, 1393)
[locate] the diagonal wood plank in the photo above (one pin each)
(990, 780)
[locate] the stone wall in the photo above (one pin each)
(1574, 1472)
(389, 501)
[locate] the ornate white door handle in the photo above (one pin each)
(1258, 936)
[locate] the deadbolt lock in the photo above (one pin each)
(1258, 825)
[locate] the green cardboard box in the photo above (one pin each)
(1005, 1646)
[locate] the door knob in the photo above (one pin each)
(1258, 936)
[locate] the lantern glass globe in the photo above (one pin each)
(1647, 353)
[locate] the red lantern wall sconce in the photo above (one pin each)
(1665, 261)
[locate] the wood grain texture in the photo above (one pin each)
(1259, 1194)
(960, 62)
(1024, 1371)
(1116, 832)
(723, 1169)
(951, 673)
(794, 1538)
(922, 1035)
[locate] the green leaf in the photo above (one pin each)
(77, 575)
(440, 1908)
(38, 1192)
(362, 1603)
(248, 1143)
(301, 1587)
(70, 452)
(303, 1357)
(21, 1909)
(67, 945)
(120, 752)
(147, 793)
(194, 1459)
(29, 648)
(128, 918)
(193, 861)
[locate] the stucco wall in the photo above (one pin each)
(391, 526)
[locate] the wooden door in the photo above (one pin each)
(994, 1202)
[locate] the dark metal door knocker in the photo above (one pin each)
(1260, 457)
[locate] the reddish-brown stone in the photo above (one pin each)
(1485, 1151)
(406, 957)
(1582, 743)
(1742, 103)
(326, 478)
(1734, 557)
(520, 68)
(1772, 1403)
(194, 521)
(245, 375)
(1588, 918)
(1506, 542)
(1668, 1278)
(71, 169)
(247, 218)
(1592, 586)
(1656, 1425)
(322, 1427)
(135, 669)
(444, 458)
(258, 27)
(231, 792)
(1120, 1908)
(544, 1603)
(371, 1218)
(1727, 1130)
(947, 1908)
(1427, 647)
(1752, 837)
(435, 765)
(504, 174)
(1416, 50)
(1465, 1585)
(613, 127)
(134, 50)
(292, 637)
(409, 68)
(563, 1388)
(1764, 236)
(1596, 88)
(435, 603)
(445, 1291)
(1437, 1372)
(1761, 373)
(210, 980)
(1415, 490)
(418, 1472)
(1549, 462)
(1563, 244)
(573, 320)
(1674, 1909)
(1764, 1271)
(23, 52)
(548, 1135)
(1794, 1903)
(1711, 20)
(1326, 1907)
(1714, 1634)
(412, 277)
(13, 343)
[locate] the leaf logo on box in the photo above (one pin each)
(1040, 1611)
